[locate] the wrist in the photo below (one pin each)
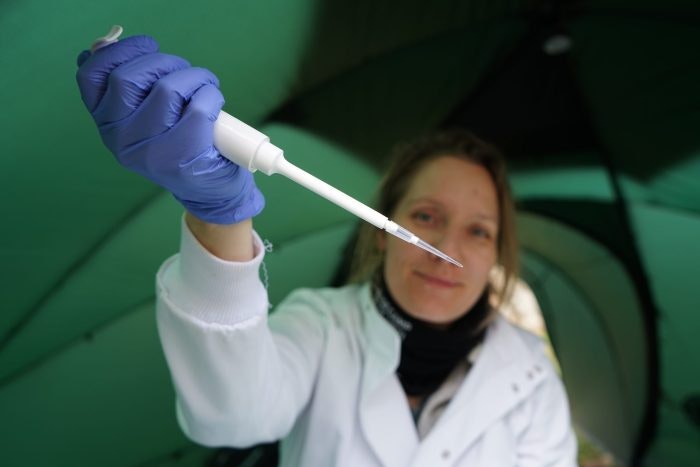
(229, 242)
(223, 208)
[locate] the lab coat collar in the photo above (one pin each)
(385, 417)
(512, 370)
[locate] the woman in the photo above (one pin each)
(410, 365)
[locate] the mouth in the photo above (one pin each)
(437, 281)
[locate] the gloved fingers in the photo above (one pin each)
(203, 108)
(168, 153)
(130, 83)
(198, 118)
(84, 55)
(95, 68)
(163, 107)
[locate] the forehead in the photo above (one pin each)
(454, 182)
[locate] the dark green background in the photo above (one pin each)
(603, 143)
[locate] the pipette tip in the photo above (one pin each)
(404, 234)
(428, 247)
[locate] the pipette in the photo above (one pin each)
(250, 148)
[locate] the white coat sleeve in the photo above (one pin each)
(548, 440)
(237, 383)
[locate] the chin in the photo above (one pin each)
(435, 313)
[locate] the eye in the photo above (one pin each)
(480, 232)
(424, 217)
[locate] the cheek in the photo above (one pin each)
(392, 255)
(483, 264)
(398, 254)
(478, 258)
(488, 255)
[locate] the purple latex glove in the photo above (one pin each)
(156, 114)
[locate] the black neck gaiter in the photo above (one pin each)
(428, 353)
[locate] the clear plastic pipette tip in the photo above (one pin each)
(404, 234)
(428, 247)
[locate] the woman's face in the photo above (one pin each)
(451, 204)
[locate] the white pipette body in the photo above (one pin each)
(252, 149)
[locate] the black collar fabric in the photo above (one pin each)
(428, 353)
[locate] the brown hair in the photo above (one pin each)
(407, 161)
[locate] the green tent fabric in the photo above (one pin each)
(595, 104)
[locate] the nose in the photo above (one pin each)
(447, 242)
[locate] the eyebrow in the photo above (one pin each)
(485, 217)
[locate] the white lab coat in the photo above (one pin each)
(320, 374)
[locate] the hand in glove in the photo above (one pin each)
(156, 114)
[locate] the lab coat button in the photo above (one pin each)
(446, 454)
(515, 387)
(530, 375)
(538, 369)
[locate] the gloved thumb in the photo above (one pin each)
(94, 69)
(84, 55)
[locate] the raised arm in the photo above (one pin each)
(156, 114)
